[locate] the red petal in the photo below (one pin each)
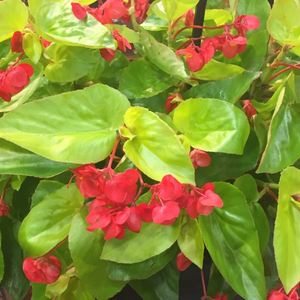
(28, 68)
(107, 54)
(169, 189)
(169, 211)
(211, 199)
(16, 42)
(78, 11)
(182, 262)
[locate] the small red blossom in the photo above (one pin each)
(78, 10)
(122, 42)
(182, 262)
(169, 189)
(276, 295)
(44, 269)
(249, 109)
(140, 7)
(199, 158)
(218, 297)
(244, 23)
(169, 105)
(166, 214)
(188, 18)
(16, 42)
(4, 209)
(107, 54)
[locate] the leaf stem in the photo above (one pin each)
(113, 153)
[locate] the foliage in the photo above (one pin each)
(129, 152)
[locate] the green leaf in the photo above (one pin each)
(58, 287)
(1, 261)
(231, 239)
(284, 23)
(215, 70)
(10, 21)
(154, 23)
(230, 89)
(82, 130)
(247, 185)
(212, 125)
(287, 229)
(175, 8)
(14, 279)
(147, 135)
(86, 247)
(136, 247)
(161, 286)
(143, 269)
(16, 181)
(18, 161)
(38, 291)
(143, 79)
(68, 63)
(163, 57)
(24, 95)
(44, 188)
(32, 47)
(49, 222)
(190, 241)
(57, 21)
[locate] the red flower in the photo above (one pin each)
(244, 23)
(199, 158)
(218, 297)
(169, 189)
(166, 214)
(4, 209)
(107, 54)
(44, 269)
(122, 42)
(78, 10)
(169, 106)
(182, 262)
(140, 7)
(249, 109)
(276, 295)
(188, 18)
(16, 42)
(232, 45)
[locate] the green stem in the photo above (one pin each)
(4, 62)
(132, 16)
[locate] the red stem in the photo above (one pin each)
(203, 284)
(280, 72)
(296, 66)
(197, 26)
(174, 23)
(19, 58)
(272, 194)
(58, 245)
(113, 153)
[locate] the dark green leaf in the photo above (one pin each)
(49, 222)
(231, 238)
(247, 185)
(38, 291)
(86, 247)
(78, 127)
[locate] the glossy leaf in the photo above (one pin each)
(247, 185)
(230, 236)
(229, 89)
(23, 96)
(58, 287)
(16, 160)
(136, 247)
(147, 134)
(57, 21)
(86, 247)
(32, 47)
(287, 229)
(10, 21)
(215, 70)
(143, 269)
(151, 80)
(16, 181)
(68, 63)
(49, 222)
(175, 8)
(154, 23)
(212, 125)
(163, 57)
(14, 279)
(190, 241)
(283, 23)
(81, 131)
(161, 286)
(1, 261)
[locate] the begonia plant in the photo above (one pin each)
(140, 137)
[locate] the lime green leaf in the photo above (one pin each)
(158, 9)
(130, 35)
(162, 150)
(143, 269)
(190, 241)
(1, 261)
(149, 82)
(175, 8)
(247, 185)
(18, 161)
(287, 229)
(161, 286)
(68, 63)
(16, 181)
(212, 125)
(78, 127)
(49, 222)
(58, 287)
(230, 236)
(10, 21)
(57, 21)
(163, 57)
(229, 89)
(35, 4)
(24, 95)
(86, 247)
(136, 247)
(154, 23)
(215, 70)
(284, 23)
(32, 47)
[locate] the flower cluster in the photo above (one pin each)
(280, 295)
(45, 269)
(14, 79)
(249, 109)
(229, 44)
